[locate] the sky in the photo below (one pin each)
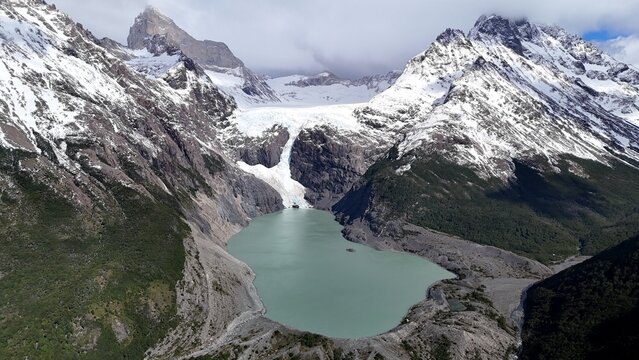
(353, 38)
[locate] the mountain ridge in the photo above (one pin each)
(536, 85)
(548, 117)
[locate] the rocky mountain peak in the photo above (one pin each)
(151, 10)
(154, 31)
(451, 36)
(503, 83)
(152, 22)
(152, 13)
(502, 29)
(494, 24)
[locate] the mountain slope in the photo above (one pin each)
(534, 121)
(104, 172)
(588, 311)
(483, 100)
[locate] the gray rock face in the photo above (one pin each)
(327, 164)
(151, 22)
(152, 26)
(266, 150)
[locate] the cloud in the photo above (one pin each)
(623, 48)
(349, 37)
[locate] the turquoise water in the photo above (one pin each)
(308, 280)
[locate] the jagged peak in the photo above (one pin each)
(152, 22)
(451, 36)
(151, 14)
(498, 27)
(152, 11)
(485, 22)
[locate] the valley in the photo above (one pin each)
(128, 171)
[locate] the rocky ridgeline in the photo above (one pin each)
(379, 82)
(512, 89)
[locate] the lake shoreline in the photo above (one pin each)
(325, 288)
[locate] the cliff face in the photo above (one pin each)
(206, 53)
(328, 164)
(212, 55)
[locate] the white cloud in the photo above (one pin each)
(623, 48)
(350, 37)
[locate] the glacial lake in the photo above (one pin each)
(310, 278)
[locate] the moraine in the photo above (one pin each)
(310, 278)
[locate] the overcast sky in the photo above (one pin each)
(353, 37)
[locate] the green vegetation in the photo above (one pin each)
(75, 284)
(306, 339)
(589, 311)
(441, 350)
(546, 215)
(214, 163)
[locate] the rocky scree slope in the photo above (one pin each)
(521, 126)
(113, 195)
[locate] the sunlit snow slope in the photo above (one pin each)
(511, 89)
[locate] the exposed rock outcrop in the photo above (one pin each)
(207, 53)
(328, 163)
(265, 150)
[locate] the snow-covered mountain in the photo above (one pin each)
(98, 138)
(513, 134)
(510, 89)
(93, 146)
(59, 85)
(225, 70)
(326, 88)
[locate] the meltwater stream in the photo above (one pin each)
(310, 278)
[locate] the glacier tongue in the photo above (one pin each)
(279, 177)
(254, 122)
